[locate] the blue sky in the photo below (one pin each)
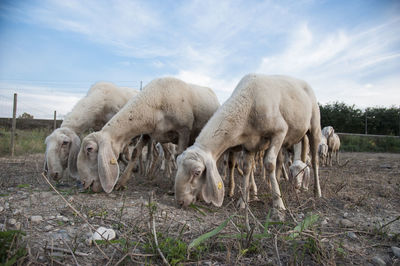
(51, 52)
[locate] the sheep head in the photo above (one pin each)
(62, 147)
(97, 164)
(299, 175)
(197, 176)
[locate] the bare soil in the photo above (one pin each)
(356, 218)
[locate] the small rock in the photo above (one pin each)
(324, 222)
(396, 251)
(300, 215)
(11, 222)
(104, 233)
(1, 209)
(17, 211)
(71, 199)
(346, 223)
(51, 217)
(36, 219)
(65, 219)
(378, 261)
(345, 215)
(352, 235)
(48, 228)
(120, 204)
(6, 205)
(112, 195)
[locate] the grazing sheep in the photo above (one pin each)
(333, 147)
(102, 101)
(168, 110)
(299, 170)
(326, 132)
(323, 151)
(263, 113)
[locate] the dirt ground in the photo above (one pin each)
(356, 219)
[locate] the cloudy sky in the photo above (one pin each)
(51, 52)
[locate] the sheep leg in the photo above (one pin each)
(253, 186)
(248, 163)
(126, 175)
(270, 165)
(279, 165)
(232, 159)
(314, 140)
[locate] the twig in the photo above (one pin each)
(67, 251)
(79, 214)
(72, 253)
(276, 250)
(153, 227)
(392, 221)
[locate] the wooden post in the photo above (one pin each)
(55, 120)
(140, 85)
(366, 123)
(14, 124)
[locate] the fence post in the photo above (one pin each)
(14, 124)
(140, 85)
(366, 123)
(55, 120)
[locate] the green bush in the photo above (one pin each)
(369, 144)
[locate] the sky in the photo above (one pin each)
(51, 51)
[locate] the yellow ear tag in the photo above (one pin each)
(113, 161)
(219, 185)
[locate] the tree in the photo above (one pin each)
(25, 115)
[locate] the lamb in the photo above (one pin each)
(333, 145)
(168, 110)
(323, 151)
(263, 113)
(102, 101)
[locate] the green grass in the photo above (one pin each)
(26, 141)
(369, 144)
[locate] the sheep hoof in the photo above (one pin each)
(240, 204)
(254, 198)
(120, 187)
(278, 214)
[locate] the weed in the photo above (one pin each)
(10, 247)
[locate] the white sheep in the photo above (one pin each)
(168, 110)
(333, 146)
(323, 151)
(102, 101)
(263, 113)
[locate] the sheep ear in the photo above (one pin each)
(213, 190)
(108, 167)
(73, 156)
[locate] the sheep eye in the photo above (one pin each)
(65, 143)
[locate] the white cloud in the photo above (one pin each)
(339, 64)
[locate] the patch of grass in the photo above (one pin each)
(369, 144)
(11, 249)
(23, 185)
(26, 141)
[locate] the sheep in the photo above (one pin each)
(168, 110)
(102, 101)
(333, 147)
(263, 113)
(299, 170)
(323, 151)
